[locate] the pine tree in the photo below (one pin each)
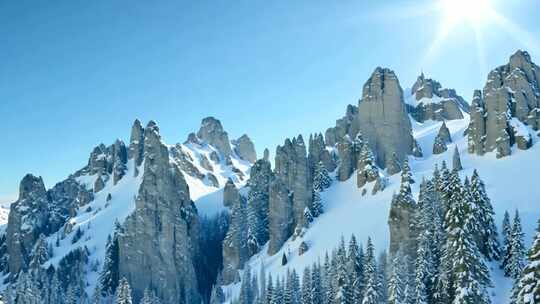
(317, 206)
(516, 260)
(488, 241)
(316, 284)
(123, 292)
(109, 276)
(321, 178)
(355, 268)
(257, 203)
(306, 296)
(506, 236)
(371, 294)
(246, 296)
(396, 284)
(40, 253)
(468, 275)
(528, 288)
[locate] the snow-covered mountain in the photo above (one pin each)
(167, 217)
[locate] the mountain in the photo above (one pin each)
(192, 221)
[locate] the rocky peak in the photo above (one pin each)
(511, 107)
(31, 187)
(136, 143)
(245, 148)
(382, 118)
(212, 132)
(429, 101)
(383, 85)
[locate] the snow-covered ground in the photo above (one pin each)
(511, 182)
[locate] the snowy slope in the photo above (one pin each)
(511, 183)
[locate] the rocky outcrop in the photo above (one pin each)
(444, 134)
(212, 132)
(429, 101)
(512, 93)
(281, 221)
(291, 167)
(157, 246)
(136, 144)
(245, 149)
(381, 117)
(27, 218)
(318, 153)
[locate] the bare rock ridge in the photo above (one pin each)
(508, 110)
(429, 101)
(157, 245)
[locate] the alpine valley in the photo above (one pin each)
(415, 196)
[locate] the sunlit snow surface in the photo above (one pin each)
(511, 182)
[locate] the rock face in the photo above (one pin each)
(429, 101)
(212, 132)
(281, 222)
(27, 217)
(157, 246)
(318, 153)
(291, 167)
(136, 144)
(381, 117)
(508, 109)
(245, 148)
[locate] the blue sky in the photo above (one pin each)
(77, 73)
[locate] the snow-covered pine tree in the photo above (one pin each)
(321, 178)
(246, 296)
(109, 276)
(316, 284)
(355, 268)
(528, 290)
(439, 146)
(424, 266)
(123, 292)
(217, 296)
(382, 274)
(396, 284)
(371, 293)
(506, 237)
(516, 260)
(317, 206)
(488, 241)
(306, 293)
(468, 274)
(343, 291)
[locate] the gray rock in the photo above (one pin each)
(439, 145)
(512, 91)
(212, 132)
(456, 160)
(441, 104)
(382, 117)
(266, 155)
(99, 184)
(318, 153)
(291, 167)
(281, 221)
(212, 180)
(444, 133)
(136, 144)
(158, 242)
(205, 163)
(245, 148)
(185, 162)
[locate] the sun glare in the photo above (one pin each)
(474, 12)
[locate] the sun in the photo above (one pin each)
(474, 12)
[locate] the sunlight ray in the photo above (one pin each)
(516, 32)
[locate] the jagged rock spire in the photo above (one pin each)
(212, 132)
